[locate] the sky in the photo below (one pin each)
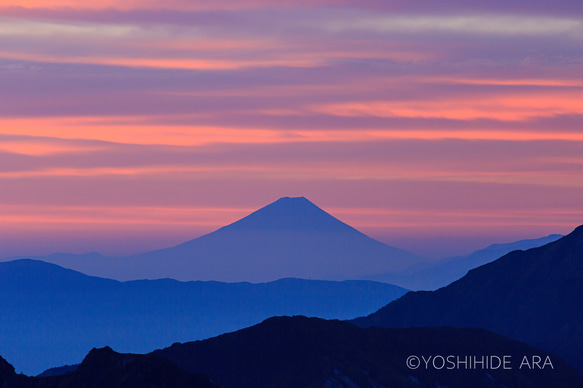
(436, 127)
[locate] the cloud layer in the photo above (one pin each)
(409, 121)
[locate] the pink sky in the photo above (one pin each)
(132, 125)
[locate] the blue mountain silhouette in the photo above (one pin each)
(51, 316)
(291, 237)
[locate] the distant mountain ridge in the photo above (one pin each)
(57, 314)
(290, 237)
(534, 296)
(434, 275)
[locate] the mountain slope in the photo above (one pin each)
(431, 276)
(534, 296)
(291, 237)
(58, 314)
(300, 352)
(106, 368)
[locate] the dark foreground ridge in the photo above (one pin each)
(300, 352)
(289, 352)
(534, 296)
(105, 368)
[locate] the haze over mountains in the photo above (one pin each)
(50, 316)
(535, 296)
(433, 275)
(291, 237)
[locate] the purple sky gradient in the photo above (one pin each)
(439, 128)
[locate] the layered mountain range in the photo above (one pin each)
(57, 314)
(534, 296)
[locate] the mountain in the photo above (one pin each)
(431, 276)
(289, 352)
(58, 314)
(534, 296)
(291, 237)
(59, 370)
(106, 368)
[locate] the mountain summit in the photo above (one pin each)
(291, 237)
(289, 214)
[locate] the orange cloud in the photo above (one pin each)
(165, 63)
(40, 148)
(131, 130)
(135, 171)
(116, 4)
(390, 217)
(24, 217)
(507, 82)
(134, 130)
(504, 107)
(184, 5)
(352, 170)
(122, 215)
